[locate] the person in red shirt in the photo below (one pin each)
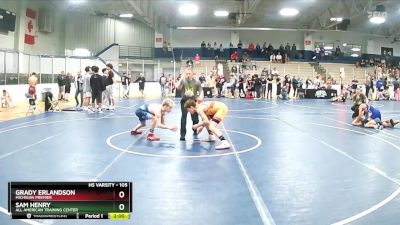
(234, 56)
(250, 48)
(197, 59)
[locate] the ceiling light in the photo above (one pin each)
(377, 19)
(354, 55)
(336, 19)
(289, 12)
(77, 1)
(126, 15)
(189, 9)
(344, 44)
(221, 13)
(355, 49)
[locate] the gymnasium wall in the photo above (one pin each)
(72, 30)
(193, 38)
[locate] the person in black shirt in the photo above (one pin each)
(126, 81)
(278, 86)
(269, 87)
(295, 82)
(68, 79)
(78, 88)
(287, 81)
(241, 85)
(61, 85)
(263, 86)
(257, 86)
(141, 81)
(97, 86)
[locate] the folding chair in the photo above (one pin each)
(53, 105)
(32, 105)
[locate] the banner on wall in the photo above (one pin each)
(30, 26)
(158, 40)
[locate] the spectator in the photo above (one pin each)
(221, 51)
(163, 84)
(287, 81)
(287, 52)
(250, 48)
(165, 47)
(208, 46)
(241, 86)
(234, 56)
(97, 87)
(240, 45)
(270, 49)
(379, 88)
(308, 82)
(61, 85)
(202, 79)
(338, 52)
(86, 88)
(278, 86)
(263, 86)
(197, 59)
(293, 52)
(258, 50)
(233, 82)
(203, 45)
(231, 49)
(234, 69)
(269, 87)
(68, 80)
(264, 48)
(171, 85)
(109, 90)
(6, 101)
(189, 63)
(169, 47)
(142, 82)
(279, 58)
(126, 81)
(396, 89)
(78, 83)
(295, 84)
(274, 72)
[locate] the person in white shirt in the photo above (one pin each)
(86, 89)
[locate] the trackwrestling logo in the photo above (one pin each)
(321, 94)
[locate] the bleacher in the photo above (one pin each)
(205, 67)
(298, 69)
(351, 72)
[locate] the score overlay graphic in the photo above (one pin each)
(70, 200)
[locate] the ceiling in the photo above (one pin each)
(313, 14)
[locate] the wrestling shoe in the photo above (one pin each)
(210, 138)
(152, 137)
(224, 145)
(136, 132)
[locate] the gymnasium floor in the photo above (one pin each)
(293, 162)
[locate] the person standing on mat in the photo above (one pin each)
(141, 81)
(97, 86)
(86, 88)
(156, 113)
(211, 113)
(78, 88)
(191, 89)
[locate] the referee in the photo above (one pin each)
(190, 89)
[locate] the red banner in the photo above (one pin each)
(30, 26)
